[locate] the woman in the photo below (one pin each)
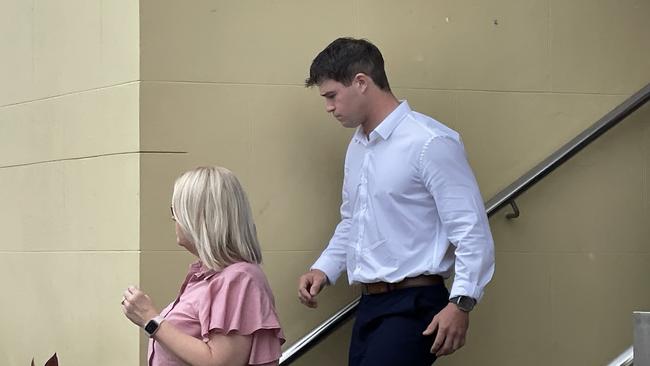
(225, 312)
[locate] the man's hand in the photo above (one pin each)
(451, 324)
(309, 285)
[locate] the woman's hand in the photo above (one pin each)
(137, 306)
(221, 349)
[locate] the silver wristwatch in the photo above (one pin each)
(464, 303)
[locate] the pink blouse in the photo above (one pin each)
(236, 300)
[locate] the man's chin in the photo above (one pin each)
(348, 124)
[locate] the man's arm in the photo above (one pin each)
(331, 262)
(448, 176)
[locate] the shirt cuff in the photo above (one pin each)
(331, 270)
(466, 289)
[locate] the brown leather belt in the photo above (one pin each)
(383, 287)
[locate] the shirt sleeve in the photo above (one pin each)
(332, 260)
(449, 178)
(239, 303)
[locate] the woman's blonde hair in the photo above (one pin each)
(213, 212)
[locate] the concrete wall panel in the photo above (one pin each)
(74, 126)
(477, 45)
(252, 42)
(78, 205)
(600, 46)
(68, 303)
(56, 48)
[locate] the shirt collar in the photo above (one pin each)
(387, 126)
(200, 271)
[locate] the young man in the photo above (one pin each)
(411, 216)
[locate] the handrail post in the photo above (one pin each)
(641, 338)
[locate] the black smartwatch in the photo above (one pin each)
(153, 325)
(464, 303)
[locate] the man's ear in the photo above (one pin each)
(361, 81)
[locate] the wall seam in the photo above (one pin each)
(91, 157)
(69, 94)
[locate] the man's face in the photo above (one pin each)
(343, 102)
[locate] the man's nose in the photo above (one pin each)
(329, 108)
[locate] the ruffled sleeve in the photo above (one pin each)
(239, 300)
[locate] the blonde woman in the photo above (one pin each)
(224, 313)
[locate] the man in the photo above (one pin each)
(411, 215)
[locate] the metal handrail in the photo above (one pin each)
(624, 359)
(313, 337)
(501, 199)
(567, 151)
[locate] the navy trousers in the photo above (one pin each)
(388, 327)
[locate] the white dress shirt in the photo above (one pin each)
(411, 206)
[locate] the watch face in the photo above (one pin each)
(466, 303)
(151, 327)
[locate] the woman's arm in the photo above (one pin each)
(220, 349)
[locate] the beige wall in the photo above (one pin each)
(69, 178)
(93, 132)
(222, 84)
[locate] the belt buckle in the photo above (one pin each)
(389, 287)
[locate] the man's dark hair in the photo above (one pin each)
(342, 59)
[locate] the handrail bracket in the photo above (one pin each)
(515, 209)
